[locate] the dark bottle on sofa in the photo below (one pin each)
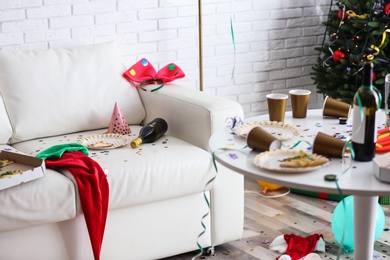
(150, 132)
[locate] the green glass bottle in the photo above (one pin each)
(364, 120)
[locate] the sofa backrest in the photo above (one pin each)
(59, 91)
(5, 125)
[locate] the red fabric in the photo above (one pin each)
(298, 247)
(144, 70)
(93, 190)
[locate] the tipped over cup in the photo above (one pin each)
(277, 106)
(299, 102)
(335, 108)
(328, 145)
(260, 140)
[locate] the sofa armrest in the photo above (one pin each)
(192, 115)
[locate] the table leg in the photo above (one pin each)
(365, 208)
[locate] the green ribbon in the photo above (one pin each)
(201, 249)
(234, 46)
(297, 143)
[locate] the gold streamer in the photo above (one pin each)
(353, 14)
(377, 48)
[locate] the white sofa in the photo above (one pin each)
(156, 200)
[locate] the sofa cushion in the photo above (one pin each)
(5, 129)
(166, 169)
(51, 198)
(57, 91)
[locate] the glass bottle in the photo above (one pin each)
(387, 99)
(364, 120)
(150, 132)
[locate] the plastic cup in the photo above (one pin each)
(328, 145)
(277, 106)
(299, 102)
(260, 140)
(335, 108)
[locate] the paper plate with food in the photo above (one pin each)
(280, 130)
(287, 160)
(105, 141)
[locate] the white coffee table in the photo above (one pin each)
(358, 180)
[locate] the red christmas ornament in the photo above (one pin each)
(338, 55)
(340, 14)
(386, 9)
(373, 76)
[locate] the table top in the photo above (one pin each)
(354, 177)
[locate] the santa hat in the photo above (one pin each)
(118, 123)
(297, 247)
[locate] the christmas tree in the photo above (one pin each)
(356, 31)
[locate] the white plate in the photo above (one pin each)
(280, 130)
(271, 161)
(117, 140)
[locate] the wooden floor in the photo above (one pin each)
(267, 218)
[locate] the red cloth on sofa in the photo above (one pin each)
(94, 192)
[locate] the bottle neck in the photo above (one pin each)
(367, 75)
(136, 142)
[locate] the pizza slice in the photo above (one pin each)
(101, 144)
(302, 160)
(5, 162)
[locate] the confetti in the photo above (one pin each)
(266, 242)
(233, 156)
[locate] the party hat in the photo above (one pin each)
(118, 123)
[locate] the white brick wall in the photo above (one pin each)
(274, 40)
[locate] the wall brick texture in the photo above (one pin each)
(272, 51)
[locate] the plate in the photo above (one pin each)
(271, 161)
(116, 140)
(280, 130)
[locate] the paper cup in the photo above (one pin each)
(276, 106)
(335, 108)
(260, 140)
(328, 145)
(299, 102)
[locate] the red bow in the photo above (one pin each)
(143, 72)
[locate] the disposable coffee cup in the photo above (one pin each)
(299, 102)
(260, 140)
(328, 145)
(276, 106)
(335, 108)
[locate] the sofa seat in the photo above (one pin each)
(33, 203)
(181, 175)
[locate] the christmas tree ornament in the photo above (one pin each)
(386, 9)
(118, 123)
(341, 14)
(338, 55)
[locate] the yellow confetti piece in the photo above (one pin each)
(132, 72)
